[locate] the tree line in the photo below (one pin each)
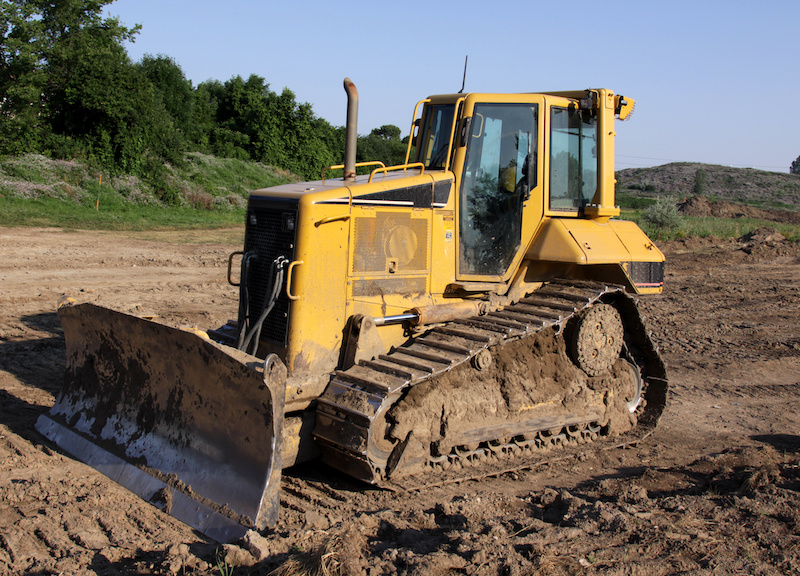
(69, 90)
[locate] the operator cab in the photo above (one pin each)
(518, 159)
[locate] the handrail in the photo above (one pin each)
(358, 165)
(230, 265)
(319, 223)
(413, 122)
(453, 131)
(384, 169)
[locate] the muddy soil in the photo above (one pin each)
(713, 491)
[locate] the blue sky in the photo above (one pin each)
(714, 81)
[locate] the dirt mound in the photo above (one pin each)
(700, 206)
(764, 235)
(764, 243)
(694, 518)
(768, 244)
(695, 206)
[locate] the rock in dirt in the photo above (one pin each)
(257, 545)
(763, 235)
(233, 555)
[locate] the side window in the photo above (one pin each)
(573, 159)
(436, 127)
(498, 175)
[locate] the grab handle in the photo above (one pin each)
(289, 280)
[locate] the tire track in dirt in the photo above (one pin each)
(713, 490)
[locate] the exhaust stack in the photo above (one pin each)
(351, 137)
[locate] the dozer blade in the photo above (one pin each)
(182, 421)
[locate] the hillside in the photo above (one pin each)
(200, 181)
(741, 185)
(204, 191)
(200, 191)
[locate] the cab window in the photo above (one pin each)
(499, 173)
(573, 159)
(436, 127)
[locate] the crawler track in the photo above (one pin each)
(377, 421)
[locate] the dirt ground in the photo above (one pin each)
(713, 491)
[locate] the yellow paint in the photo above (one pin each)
(528, 407)
(359, 253)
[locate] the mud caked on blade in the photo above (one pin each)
(174, 417)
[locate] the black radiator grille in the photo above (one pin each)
(646, 274)
(270, 233)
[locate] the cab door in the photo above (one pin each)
(500, 203)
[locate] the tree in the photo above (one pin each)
(242, 119)
(99, 98)
(96, 96)
(795, 167)
(173, 88)
(22, 78)
(253, 121)
(383, 144)
(699, 182)
(70, 89)
(204, 115)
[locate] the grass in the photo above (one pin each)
(111, 215)
(232, 176)
(627, 200)
(222, 565)
(709, 226)
(203, 193)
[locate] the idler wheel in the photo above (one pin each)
(596, 339)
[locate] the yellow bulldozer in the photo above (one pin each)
(457, 315)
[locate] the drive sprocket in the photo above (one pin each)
(595, 338)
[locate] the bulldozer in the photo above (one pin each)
(460, 314)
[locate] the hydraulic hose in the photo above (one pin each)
(276, 280)
(244, 296)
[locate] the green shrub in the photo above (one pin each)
(635, 202)
(700, 177)
(663, 214)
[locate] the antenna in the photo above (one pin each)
(464, 81)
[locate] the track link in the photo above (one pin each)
(352, 412)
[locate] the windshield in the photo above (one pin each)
(437, 124)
